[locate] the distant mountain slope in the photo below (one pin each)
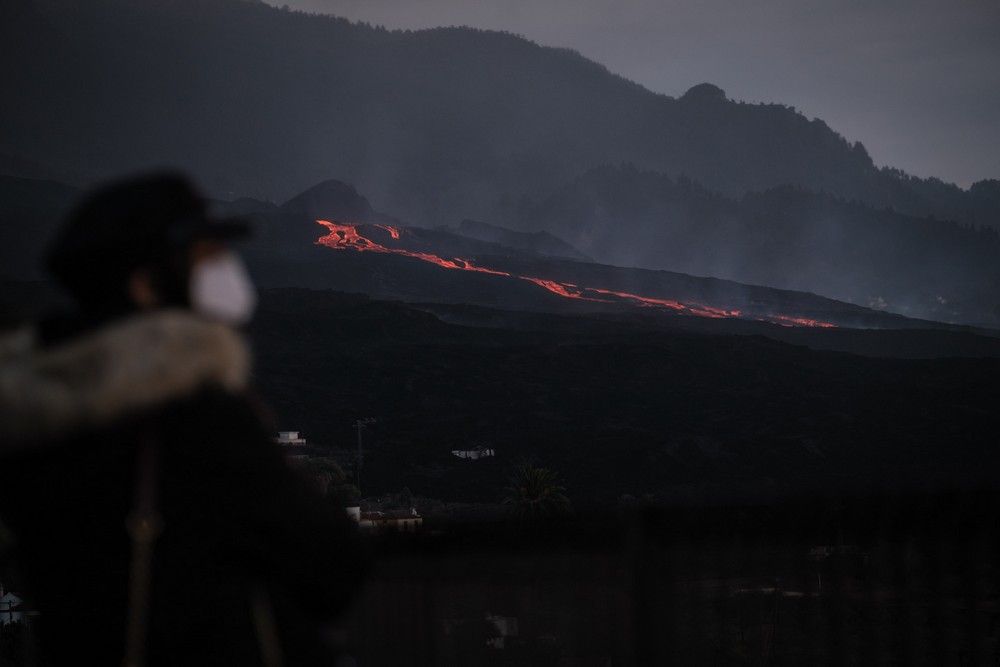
(784, 237)
(295, 245)
(434, 125)
(542, 243)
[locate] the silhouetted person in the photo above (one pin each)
(152, 514)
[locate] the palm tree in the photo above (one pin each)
(536, 493)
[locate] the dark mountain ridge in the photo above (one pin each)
(541, 242)
(433, 125)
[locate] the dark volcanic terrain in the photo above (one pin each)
(619, 409)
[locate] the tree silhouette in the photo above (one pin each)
(536, 493)
(330, 479)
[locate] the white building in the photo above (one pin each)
(293, 444)
(478, 452)
(405, 521)
(290, 439)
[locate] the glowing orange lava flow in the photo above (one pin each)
(568, 290)
(789, 321)
(393, 231)
(347, 237)
(692, 309)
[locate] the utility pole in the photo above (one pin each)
(360, 426)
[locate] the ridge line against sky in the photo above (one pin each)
(916, 81)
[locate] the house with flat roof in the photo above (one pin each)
(402, 520)
(290, 439)
(474, 453)
(292, 443)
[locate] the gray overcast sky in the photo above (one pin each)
(916, 81)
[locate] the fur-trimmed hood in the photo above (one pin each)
(127, 367)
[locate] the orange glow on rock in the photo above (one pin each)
(691, 309)
(393, 231)
(789, 321)
(342, 236)
(567, 290)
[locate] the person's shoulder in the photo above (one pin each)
(116, 374)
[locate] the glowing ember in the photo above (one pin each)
(347, 237)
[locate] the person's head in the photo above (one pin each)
(148, 242)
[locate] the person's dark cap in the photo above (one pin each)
(131, 223)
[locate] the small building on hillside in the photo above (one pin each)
(293, 444)
(290, 439)
(476, 453)
(401, 520)
(501, 631)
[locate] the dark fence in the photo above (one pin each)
(885, 581)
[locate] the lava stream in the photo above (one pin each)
(789, 321)
(393, 231)
(346, 237)
(567, 290)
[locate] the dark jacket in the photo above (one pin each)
(247, 552)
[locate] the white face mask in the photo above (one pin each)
(221, 289)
